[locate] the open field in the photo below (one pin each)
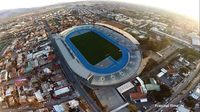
(95, 48)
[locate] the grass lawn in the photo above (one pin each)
(95, 48)
(3, 45)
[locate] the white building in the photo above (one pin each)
(160, 74)
(196, 92)
(3, 75)
(73, 103)
(125, 87)
(181, 108)
(196, 41)
(195, 38)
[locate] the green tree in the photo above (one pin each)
(190, 102)
(165, 42)
(132, 108)
(190, 54)
(183, 70)
(164, 92)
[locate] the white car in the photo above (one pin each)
(3, 76)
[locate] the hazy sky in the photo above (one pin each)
(186, 7)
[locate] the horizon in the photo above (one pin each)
(99, 55)
(186, 8)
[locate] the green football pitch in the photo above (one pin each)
(95, 48)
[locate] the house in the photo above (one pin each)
(3, 76)
(73, 103)
(160, 74)
(63, 107)
(151, 87)
(163, 72)
(61, 91)
(39, 96)
(196, 93)
(139, 95)
(181, 108)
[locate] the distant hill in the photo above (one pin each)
(14, 12)
(4, 14)
(11, 13)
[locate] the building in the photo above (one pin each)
(181, 108)
(140, 95)
(196, 41)
(3, 76)
(125, 87)
(163, 72)
(133, 91)
(195, 38)
(141, 92)
(196, 93)
(109, 70)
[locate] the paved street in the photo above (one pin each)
(165, 62)
(176, 97)
(184, 93)
(166, 52)
(78, 86)
(76, 83)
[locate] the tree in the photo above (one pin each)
(165, 42)
(191, 58)
(153, 45)
(105, 108)
(189, 102)
(132, 108)
(190, 54)
(183, 70)
(164, 92)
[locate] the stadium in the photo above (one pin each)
(99, 54)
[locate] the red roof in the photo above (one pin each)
(20, 82)
(136, 96)
(58, 77)
(139, 89)
(51, 57)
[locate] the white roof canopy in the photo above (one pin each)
(125, 87)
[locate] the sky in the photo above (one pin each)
(188, 8)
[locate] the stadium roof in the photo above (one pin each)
(196, 41)
(101, 79)
(125, 87)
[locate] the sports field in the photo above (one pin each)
(95, 48)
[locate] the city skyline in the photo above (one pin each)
(98, 57)
(183, 7)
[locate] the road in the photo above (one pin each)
(157, 68)
(177, 96)
(73, 78)
(47, 28)
(183, 91)
(8, 42)
(78, 86)
(180, 40)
